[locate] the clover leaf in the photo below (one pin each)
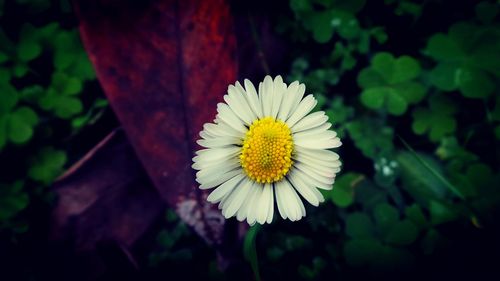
(336, 16)
(389, 83)
(385, 216)
(402, 233)
(467, 57)
(343, 193)
(359, 225)
(371, 136)
(20, 124)
(47, 164)
(16, 124)
(12, 200)
(416, 215)
(437, 120)
(60, 96)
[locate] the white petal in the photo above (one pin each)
(278, 90)
(227, 115)
(310, 121)
(270, 212)
(326, 155)
(249, 102)
(319, 163)
(290, 201)
(314, 131)
(224, 189)
(326, 178)
(324, 140)
(304, 107)
(266, 95)
(280, 196)
(313, 180)
(214, 157)
(239, 105)
(213, 180)
(216, 153)
(290, 99)
(236, 199)
(253, 98)
(304, 189)
(263, 204)
(244, 209)
(253, 205)
(222, 168)
(222, 129)
(220, 142)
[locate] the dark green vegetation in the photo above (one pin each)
(411, 86)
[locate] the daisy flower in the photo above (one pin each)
(265, 147)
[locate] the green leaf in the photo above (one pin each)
(443, 76)
(402, 233)
(8, 98)
(384, 63)
(412, 92)
(441, 213)
(385, 216)
(32, 93)
(359, 225)
(442, 47)
(388, 83)
(28, 50)
(321, 26)
(374, 98)
(418, 181)
(415, 214)
(433, 169)
(370, 78)
(20, 125)
(380, 140)
(396, 104)
(67, 107)
(405, 68)
(474, 83)
(338, 112)
(345, 24)
(250, 250)
(342, 193)
(47, 164)
(437, 121)
(369, 195)
(12, 200)
(20, 70)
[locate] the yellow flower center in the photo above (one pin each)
(267, 150)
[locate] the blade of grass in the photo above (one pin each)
(250, 250)
(433, 171)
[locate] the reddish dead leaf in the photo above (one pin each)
(106, 196)
(164, 65)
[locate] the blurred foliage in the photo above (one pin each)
(420, 127)
(45, 100)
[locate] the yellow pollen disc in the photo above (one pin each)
(267, 150)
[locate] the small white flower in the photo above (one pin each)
(265, 144)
